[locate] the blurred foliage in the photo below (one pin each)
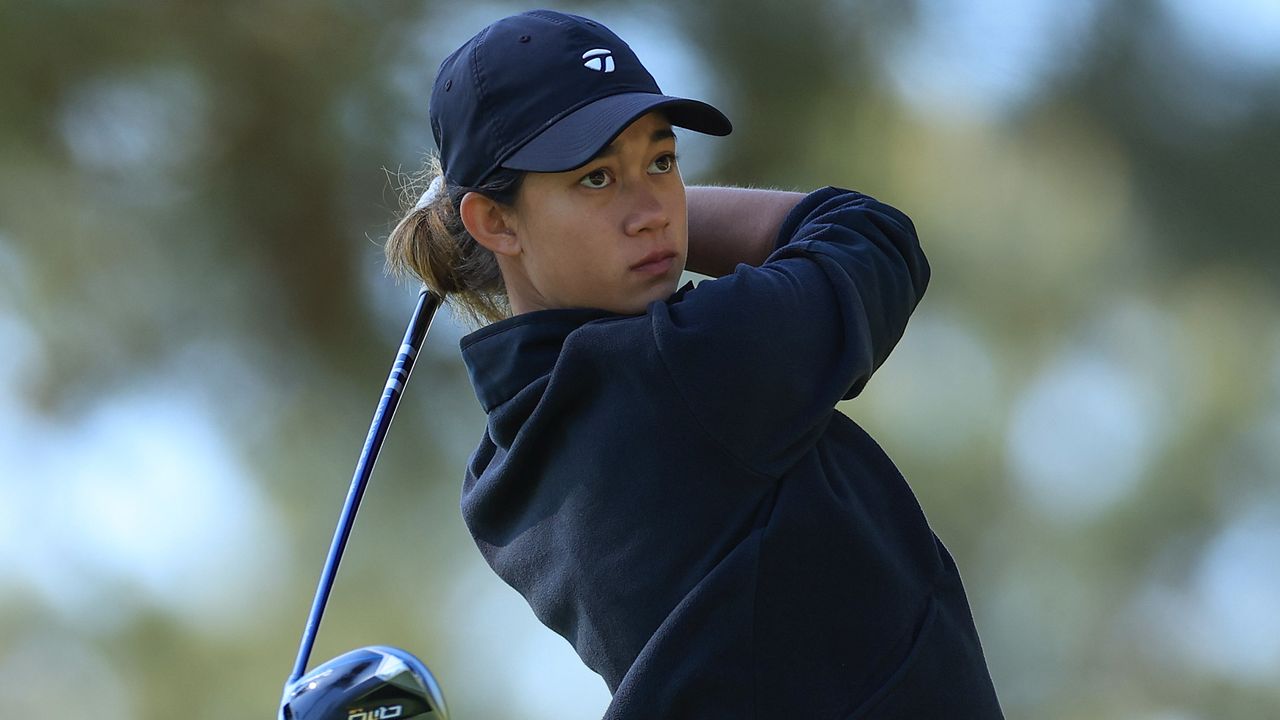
(191, 200)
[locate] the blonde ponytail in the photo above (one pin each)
(430, 243)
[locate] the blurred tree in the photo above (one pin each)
(1201, 136)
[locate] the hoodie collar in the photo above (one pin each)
(503, 358)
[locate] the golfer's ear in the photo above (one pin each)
(489, 223)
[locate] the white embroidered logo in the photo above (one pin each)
(599, 59)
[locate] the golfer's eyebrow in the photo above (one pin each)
(658, 136)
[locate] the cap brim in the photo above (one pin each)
(579, 136)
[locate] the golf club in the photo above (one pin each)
(377, 682)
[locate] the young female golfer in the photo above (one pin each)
(663, 475)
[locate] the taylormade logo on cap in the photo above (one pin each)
(598, 59)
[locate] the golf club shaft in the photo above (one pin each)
(428, 303)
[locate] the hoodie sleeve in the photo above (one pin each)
(762, 356)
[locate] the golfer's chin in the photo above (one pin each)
(653, 292)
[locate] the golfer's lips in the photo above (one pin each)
(656, 262)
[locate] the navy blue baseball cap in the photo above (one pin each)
(545, 91)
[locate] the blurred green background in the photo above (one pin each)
(195, 327)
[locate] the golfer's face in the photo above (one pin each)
(612, 234)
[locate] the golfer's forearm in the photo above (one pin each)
(728, 226)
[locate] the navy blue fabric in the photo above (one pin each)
(675, 494)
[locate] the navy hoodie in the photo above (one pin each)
(676, 495)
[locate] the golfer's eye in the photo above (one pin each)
(596, 179)
(664, 163)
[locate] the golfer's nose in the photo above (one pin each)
(647, 212)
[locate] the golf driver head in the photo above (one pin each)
(370, 683)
